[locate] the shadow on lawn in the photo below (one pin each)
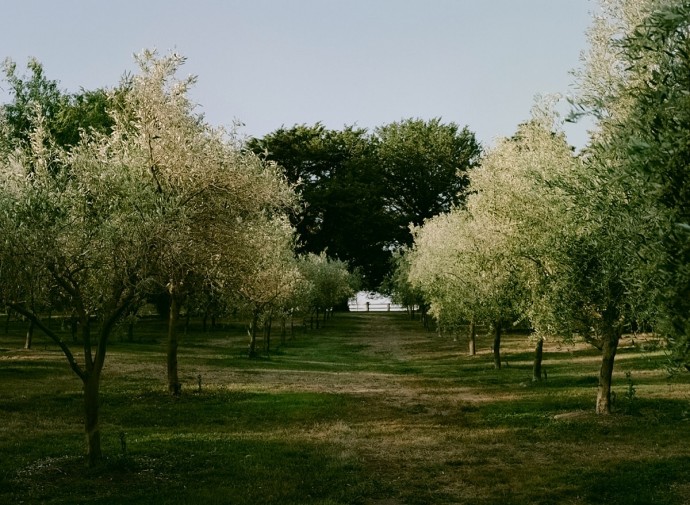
(641, 481)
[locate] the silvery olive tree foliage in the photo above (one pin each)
(598, 243)
(77, 225)
(327, 284)
(217, 203)
(486, 262)
(267, 274)
(636, 164)
(650, 145)
(159, 201)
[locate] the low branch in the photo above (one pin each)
(21, 309)
(107, 327)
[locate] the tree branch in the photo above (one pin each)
(21, 309)
(107, 327)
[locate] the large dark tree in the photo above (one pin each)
(340, 183)
(361, 191)
(425, 166)
(64, 115)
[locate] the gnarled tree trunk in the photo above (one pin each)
(473, 338)
(608, 354)
(497, 344)
(174, 387)
(252, 333)
(538, 354)
(92, 429)
(28, 342)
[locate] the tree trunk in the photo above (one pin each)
(473, 338)
(252, 334)
(90, 373)
(608, 354)
(497, 345)
(267, 334)
(91, 426)
(283, 330)
(29, 335)
(174, 387)
(73, 325)
(538, 353)
(7, 321)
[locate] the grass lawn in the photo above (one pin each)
(371, 409)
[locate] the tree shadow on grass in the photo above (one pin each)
(198, 468)
(643, 481)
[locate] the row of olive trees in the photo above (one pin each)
(145, 198)
(587, 245)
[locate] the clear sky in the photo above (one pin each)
(269, 63)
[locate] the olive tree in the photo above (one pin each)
(327, 284)
(266, 274)
(460, 264)
(160, 200)
(401, 290)
(630, 187)
(213, 198)
(652, 141)
(516, 190)
(83, 230)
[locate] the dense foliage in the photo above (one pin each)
(589, 246)
(361, 190)
(160, 201)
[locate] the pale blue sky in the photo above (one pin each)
(269, 63)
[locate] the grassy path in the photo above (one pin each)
(369, 410)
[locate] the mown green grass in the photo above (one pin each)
(371, 409)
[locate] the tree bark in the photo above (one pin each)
(608, 354)
(267, 334)
(91, 426)
(29, 335)
(252, 334)
(473, 338)
(538, 354)
(497, 344)
(73, 325)
(174, 387)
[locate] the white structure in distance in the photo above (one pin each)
(370, 301)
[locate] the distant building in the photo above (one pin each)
(369, 301)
